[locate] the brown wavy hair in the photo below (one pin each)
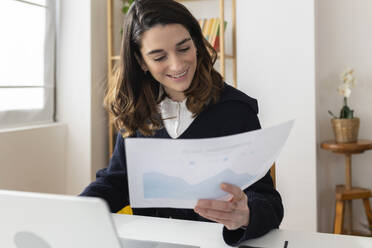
(132, 96)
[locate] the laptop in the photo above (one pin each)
(37, 220)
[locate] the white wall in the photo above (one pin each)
(344, 40)
(33, 158)
(276, 65)
(81, 73)
(73, 89)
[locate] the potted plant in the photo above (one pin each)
(125, 9)
(346, 126)
(126, 5)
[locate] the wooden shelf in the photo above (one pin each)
(115, 57)
(227, 56)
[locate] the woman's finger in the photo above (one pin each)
(236, 192)
(215, 213)
(215, 204)
(229, 224)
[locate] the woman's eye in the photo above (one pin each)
(159, 59)
(184, 49)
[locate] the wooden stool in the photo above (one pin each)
(346, 193)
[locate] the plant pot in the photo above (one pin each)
(345, 130)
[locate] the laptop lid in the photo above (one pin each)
(35, 220)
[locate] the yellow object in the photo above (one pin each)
(126, 210)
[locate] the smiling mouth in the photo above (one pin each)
(179, 75)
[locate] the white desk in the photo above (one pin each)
(209, 235)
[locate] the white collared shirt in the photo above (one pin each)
(176, 117)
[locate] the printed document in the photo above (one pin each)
(175, 173)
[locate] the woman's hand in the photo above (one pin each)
(233, 213)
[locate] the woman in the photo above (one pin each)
(166, 87)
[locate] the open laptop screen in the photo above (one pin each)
(36, 220)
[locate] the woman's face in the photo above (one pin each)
(169, 54)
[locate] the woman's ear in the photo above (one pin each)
(141, 62)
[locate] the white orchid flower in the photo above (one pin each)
(347, 75)
(348, 79)
(343, 75)
(344, 90)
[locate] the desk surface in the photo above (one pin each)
(209, 235)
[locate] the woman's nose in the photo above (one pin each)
(176, 64)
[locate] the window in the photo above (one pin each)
(27, 70)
